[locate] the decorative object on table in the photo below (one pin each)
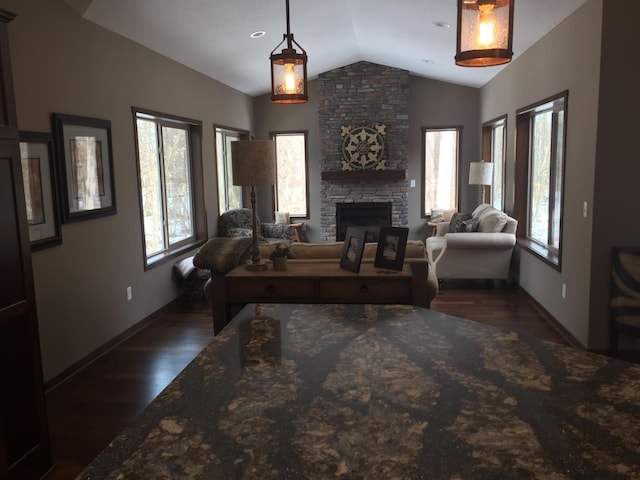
(352, 249)
(39, 175)
(481, 173)
(289, 71)
(392, 243)
(254, 164)
(363, 147)
(279, 256)
(83, 149)
(485, 33)
(625, 295)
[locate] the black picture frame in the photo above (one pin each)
(392, 244)
(39, 175)
(353, 249)
(84, 153)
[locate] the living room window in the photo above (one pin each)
(229, 195)
(292, 184)
(441, 147)
(172, 199)
(493, 150)
(543, 126)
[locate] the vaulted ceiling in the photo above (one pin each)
(212, 36)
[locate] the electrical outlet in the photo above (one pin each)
(564, 290)
(129, 293)
(412, 183)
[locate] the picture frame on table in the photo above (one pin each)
(353, 249)
(392, 244)
(39, 177)
(84, 153)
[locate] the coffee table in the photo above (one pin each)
(319, 282)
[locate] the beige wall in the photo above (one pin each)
(64, 64)
(568, 58)
(431, 104)
(439, 104)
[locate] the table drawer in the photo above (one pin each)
(366, 290)
(265, 289)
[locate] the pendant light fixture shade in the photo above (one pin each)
(485, 33)
(289, 71)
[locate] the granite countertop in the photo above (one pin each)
(383, 392)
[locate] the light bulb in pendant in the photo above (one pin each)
(290, 80)
(486, 27)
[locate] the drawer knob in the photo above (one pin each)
(364, 288)
(270, 288)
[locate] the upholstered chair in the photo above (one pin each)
(237, 223)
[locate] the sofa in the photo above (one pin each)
(220, 255)
(475, 245)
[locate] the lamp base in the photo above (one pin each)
(256, 266)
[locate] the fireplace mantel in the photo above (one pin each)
(356, 175)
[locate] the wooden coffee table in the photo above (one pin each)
(318, 282)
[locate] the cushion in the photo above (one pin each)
(492, 220)
(458, 224)
(481, 208)
(437, 215)
(223, 254)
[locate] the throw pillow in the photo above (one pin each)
(457, 223)
(437, 216)
(492, 220)
(471, 225)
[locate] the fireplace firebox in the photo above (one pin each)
(368, 215)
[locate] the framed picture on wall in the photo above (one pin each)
(353, 248)
(39, 179)
(392, 244)
(83, 150)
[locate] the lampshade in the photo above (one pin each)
(253, 162)
(480, 173)
(289, 71)
(485, 32)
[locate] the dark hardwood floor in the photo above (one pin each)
(89, 409)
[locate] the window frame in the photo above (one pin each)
(199, 220)
(459, 130)
(488, 153)
(522, 206)
(305, 133)
(241, 135)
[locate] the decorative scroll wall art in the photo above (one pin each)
(363, 147)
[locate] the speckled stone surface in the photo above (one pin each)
(383, 392)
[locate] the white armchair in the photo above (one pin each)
(481, 254)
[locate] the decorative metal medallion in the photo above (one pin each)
(363, 147)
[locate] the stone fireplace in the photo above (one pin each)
(370, 215)
(363, 94)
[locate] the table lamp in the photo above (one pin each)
(253, 164)
(481, 173)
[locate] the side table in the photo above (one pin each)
(297, 227)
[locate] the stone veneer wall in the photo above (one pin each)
(363, 94)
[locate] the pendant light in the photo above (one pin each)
(485, 33)
(289, 71)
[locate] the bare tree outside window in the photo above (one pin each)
(440, 168)
(167, 188)
(291, 170)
